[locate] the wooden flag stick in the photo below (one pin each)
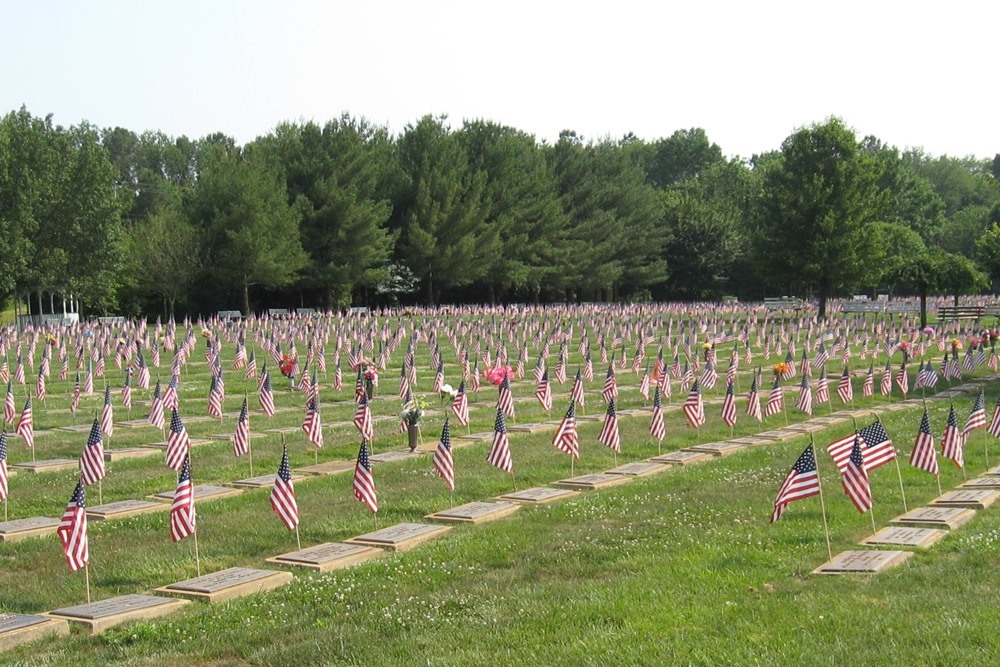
(86, 578)
(5, 510)
(986, 448)
(872, 513)
(822, 503)
(902, 492)
(298, 542)
(197, 557)
(100, 492)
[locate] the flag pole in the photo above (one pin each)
(86, 579)
(822, 503)
(197, 557)
(100, 492)
(298, 543)
(899, 472)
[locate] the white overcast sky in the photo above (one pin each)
(915, 74)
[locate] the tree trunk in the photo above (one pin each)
(923, 306)
(956, 299)
(172, 301)
(430, 292)
(246, 299)
(822, 300)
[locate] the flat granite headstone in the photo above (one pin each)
(681, 458)
(128, 453)
(389, 457)
(401, 537)
(134, 423)
(805, 427)
(589, 418)
(51, 465)
(993, 472)
(287, 430)
(21, 528)
(935, 517)
(104, 614)
(530, 428)
(75, 428)
(718, 448)
(751, 441)
(328, 468)
(905, 536)
(229, 436)
(539, 495)
(977, 500)
(123, 509)
(476, 437)
(227, 584)
(327, 556)
(982, 483)
(201, 492)
(777, 435)
(638, 469)
(862, 561)
(260, 482)
(594, 481)
(162, 444)
(828, 421)
(476, 512)
(18, 629)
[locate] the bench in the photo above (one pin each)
(902, 307)
(277, 311)
(230, 315)
(783, 303)
(961, 312)
(863, 307)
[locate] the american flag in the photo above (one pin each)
(312, 425)
(544, 391)
(182, 515)
(822, 356)
(775, 399)
(240, 360)
(88, 381)
(710, 376)
(566, 438)
(729, 406)
(931, 376)
(251, 366)
(994, 427)
(359, 386)
(178, 443)
(805, 402)
(266, 395)
(499, 455)
(657, 428)
(338, 378)
(903, 380)
(439, 378)
(855, 478)
(363, 420)
(9, 407)
(644, 384)
(694, 407)
(588, 368)
(505, 399)
(72, 530)
(576, 391)
(845, 390)
(610, 389)
(3, 464)
(241, 439)
(885, 384)
(74, 402)
(40, 387)
(108, 413)
(215, 398)
(801, 482)
(25, 425)
(127, 389)
(868, 388)
(952, 441)
(156, 408)
(444, 462)
(143, 379)
(840, 450)
(283, 494)
(92, 459)
(977, 418)
(561, 371)
(879, 449)
(364, 482)
(610, 435)
(404, 382)
(924, 456)
(171, 401)
(460, 406)
(753, 400)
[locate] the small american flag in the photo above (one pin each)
(178, 443)
(312, 424)
(775, 399)
(805, 402)
(610, 434)
(444, 462)
(543, 392)
(855, 478)
(657, 428)
(694, 407)
(924, 456)
(845, 390)
(241, 439)
(729, 406)
(3, 465)
(566, 438)
(156, 408)
(994, 427)
(9, 407)
(977, 418)
(26, 425)
(610, 389)
(72, 530)
(576, 391)
(182, 514)
(505, 399)
(753, 400)
(801, 482)
(364, 482)
(460, 406)
(108, 413)
(499, 455)
(363, 420)
(92, 459)
(215, 398)
(266, 395)
(283, 494)
(879, 449)
(952, 442)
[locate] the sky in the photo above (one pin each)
(914, 74)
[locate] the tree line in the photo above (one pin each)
(347, 213)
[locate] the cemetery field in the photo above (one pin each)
(678, 567)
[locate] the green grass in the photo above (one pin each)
(678, 568)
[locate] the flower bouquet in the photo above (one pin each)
(496, 375)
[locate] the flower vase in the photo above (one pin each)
(414, 436)
(369, 388)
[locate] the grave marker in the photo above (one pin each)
(328, 556)
(227, 584)
(104, 614)
(863, 562)
(401, 537)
